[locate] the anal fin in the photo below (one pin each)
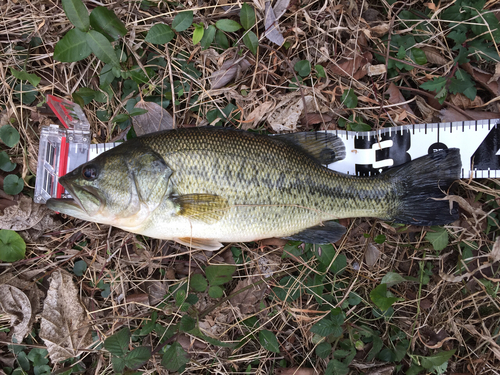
(199, 243)
(328, 232)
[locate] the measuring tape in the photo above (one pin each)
(367, 153)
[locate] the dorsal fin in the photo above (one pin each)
(325, 147)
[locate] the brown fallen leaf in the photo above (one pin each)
(287, 113)
(396, 97)
(257, 114)
(484, 79)
(64, 327)
(229, 70)
(428, 113)
(15, 303)
(372, 254)
(434, 56)
(157, 118)
(25, 215)
(271, 26)
(461, 101)
(450, 115)
(352, 66)
(315, 118)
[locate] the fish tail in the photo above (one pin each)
(423, 180)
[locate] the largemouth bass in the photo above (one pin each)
(205, 186)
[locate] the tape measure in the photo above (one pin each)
(367, 153)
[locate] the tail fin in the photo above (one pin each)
(423, 179)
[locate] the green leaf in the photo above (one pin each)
(438, 238)
(117, 344)
(414, 370)
(12, 246)
(79, 268)
(160, 34)
(326, 327)
(137, 356)
(9, 135)
(335, 367)
(77, 13)
(102, 48)
(5, 164)
(121, 117)
(208, 37)
(219, 274)
(215, 292)
(106, 22)
(25, 76)
(435, 84)
(303, 67)
(436, 359)
(221, 39)
(393, 278)
(183, 21)
(227, 25)
(187, 323)
(38, 356)
(198, 283)
(320, 71)
(86, 94)
(418, 56)
(323, 350)
(72, 47)
(175, 357)
(23, 361)
(268, 341)
(199, 30)
(251, 41)
(325, 254)
(350, 99)
(118, 364)
(247, 16)
(25, 92)
(380, 299)
(12, 184)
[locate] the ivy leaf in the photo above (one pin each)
(247, 16)
(320, 71)
(102, 48)
(220, 274)
(227, 25)
(12, 184)
(77, 13)
(350, 99)
(12, 246)
(9, 135)
(269, 341)
(72, 47)
(160, 34)
(106, 22)
(438, 238)
(79, 268)
(182, 21)
(251, 41)
(5, 164)
(175, 357)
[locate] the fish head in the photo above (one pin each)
(120, 187)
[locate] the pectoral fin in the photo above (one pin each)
(330, 231)
(199, 243)
(208, 208)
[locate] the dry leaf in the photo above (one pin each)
(428, 113)
(461, 101)
(280, 7)
(450, 115)
(496, 76)
(396, 97)
(495, 253)
(375, 70)
(285, 116)
(64, 328)
(315, 118)
(257, 114)
(485, 79)
(356, 67)
(434, 56)
(25, 215)
(379, 30)
(372, 254)
(14, 302)
(229, 70)
(273, 32)
(157, 118)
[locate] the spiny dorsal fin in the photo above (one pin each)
(208, 208)
(325, 147)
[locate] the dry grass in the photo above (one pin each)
(440, 310)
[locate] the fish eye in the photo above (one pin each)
(89, 172)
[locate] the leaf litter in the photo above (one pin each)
(454, 305)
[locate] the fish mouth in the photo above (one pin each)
(74, 206)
